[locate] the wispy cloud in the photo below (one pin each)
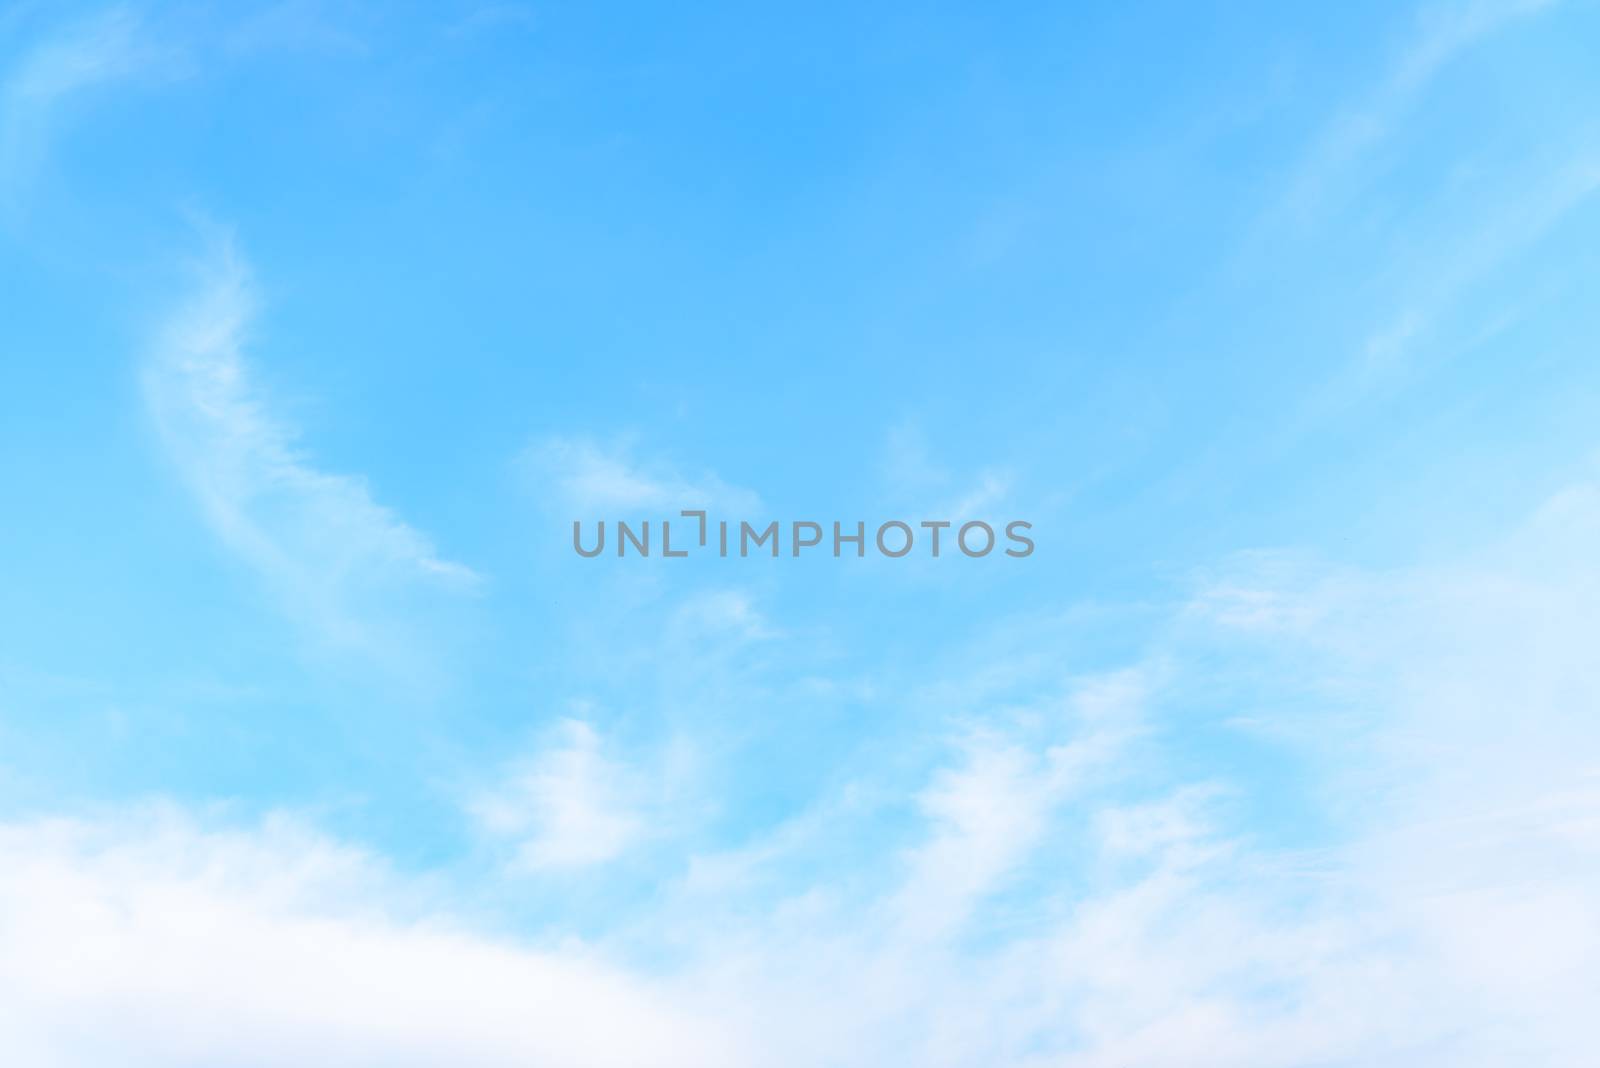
(321, 541)
(495, 18)
(96, 51)
(1064, 893)
(1442, 33)
(1482, 248)
(712, 616)
(912, 473)
(294, 26)
(570, 805)
(601, 479)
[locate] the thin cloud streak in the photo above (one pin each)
(97, 51)
(596, 478)
(320, 540)
(1443, 33)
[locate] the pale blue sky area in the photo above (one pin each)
(321, 322)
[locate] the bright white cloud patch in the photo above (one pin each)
(570, 806)
(987, 812)
(149, 942)
(328, 549)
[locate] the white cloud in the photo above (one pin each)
(712, 616)
(1443, 33)
(986, 815)
(1452, 919)
(602, 480)
(324, 545)
(1267, 592)
(987, 812)
(295, 26)
(149, 942)
(494, 19)
(980, 500)
(1064, 896)
(569, 806)
(915, 477)
(108, 47)
(1481, 248)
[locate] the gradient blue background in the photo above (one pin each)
(1277, 322)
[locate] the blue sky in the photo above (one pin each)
(320, 324)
